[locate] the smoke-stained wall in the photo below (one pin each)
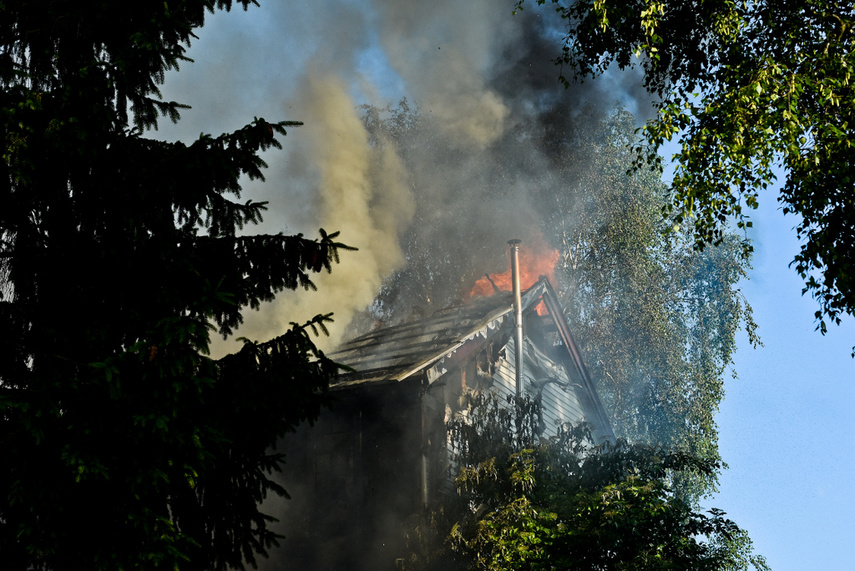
(353, 478)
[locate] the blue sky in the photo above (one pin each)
(787, 424)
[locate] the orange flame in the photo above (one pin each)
(536, 259)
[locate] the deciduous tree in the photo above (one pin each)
(656, 320)
(612, 509)
(528, 503)
(745, 88)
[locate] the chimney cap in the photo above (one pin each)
(514, 242)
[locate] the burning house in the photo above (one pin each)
(380, 455)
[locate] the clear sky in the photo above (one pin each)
(787, 424)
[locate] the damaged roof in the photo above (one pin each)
(396, 353)
(434, 345)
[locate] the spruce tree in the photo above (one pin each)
(123, 444)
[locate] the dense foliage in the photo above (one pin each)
(610, 510)
(529, 504)
(746, 88)
(656, 319)
(124, 445)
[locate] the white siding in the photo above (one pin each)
(559, 401)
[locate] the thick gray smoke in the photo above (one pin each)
(476, 73)
(445, 53)
(360, 191)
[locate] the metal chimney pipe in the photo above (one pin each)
(518, 322)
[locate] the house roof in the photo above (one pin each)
(396, 353)
(433, 345)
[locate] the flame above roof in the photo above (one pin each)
(395, 353)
